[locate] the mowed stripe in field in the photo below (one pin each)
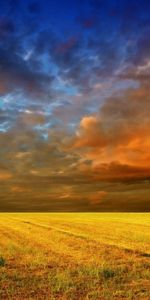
(50, 253)
(129, 231)
(75, 237)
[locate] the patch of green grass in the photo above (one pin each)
(2, 261)
(108, 273)
(60, 282)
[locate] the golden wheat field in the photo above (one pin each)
(72, 256)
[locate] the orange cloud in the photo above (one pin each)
(18, 189)
(97, 197)
(4, 175)
(90, 133)
(117, 139)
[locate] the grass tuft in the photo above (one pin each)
(108, 273)
(2, 261)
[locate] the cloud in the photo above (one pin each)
(18, 189)
(117, 138)
(97, 197)
(5, 175)
(17, 74)
(66, 46)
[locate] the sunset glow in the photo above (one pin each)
(75, 105)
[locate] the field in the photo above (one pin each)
(72, 256)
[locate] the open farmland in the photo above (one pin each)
(74, 256)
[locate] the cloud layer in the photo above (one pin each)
(74, 105)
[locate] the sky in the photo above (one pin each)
(75, 105)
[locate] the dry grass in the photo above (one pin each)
(74, 256)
